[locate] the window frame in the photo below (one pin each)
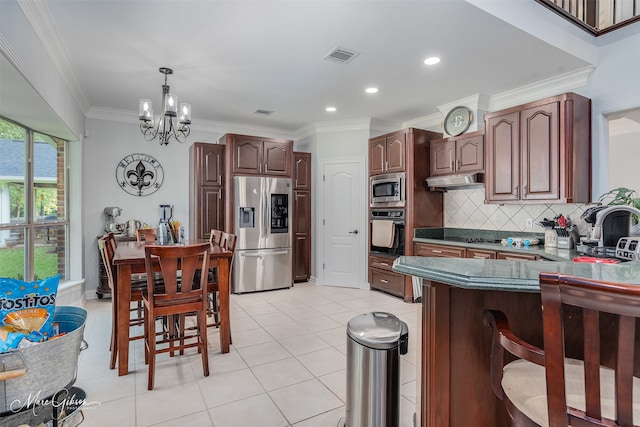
(30, 225)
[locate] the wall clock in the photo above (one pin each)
(457, 121)
(139, 174)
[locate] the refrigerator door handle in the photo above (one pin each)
(277, 253)
(265, 213)
(250, 254)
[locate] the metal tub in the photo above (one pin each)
(50, 366)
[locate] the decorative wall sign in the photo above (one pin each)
(139, 174)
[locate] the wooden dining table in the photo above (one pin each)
(129, 259)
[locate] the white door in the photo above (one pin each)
(343, 207)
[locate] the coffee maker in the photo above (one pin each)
(110, 215)
(610, 224)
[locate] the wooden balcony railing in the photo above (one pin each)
(596, 16)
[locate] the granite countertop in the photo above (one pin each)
(508, 275)
(456, 236)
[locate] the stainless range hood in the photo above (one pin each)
(453, 181)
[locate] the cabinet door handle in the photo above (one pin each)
(384, 281)
(478, 257)
(385, 264)
(452, 165)
(386, 166)
(436, 251)
(517, 191)
(524, 193)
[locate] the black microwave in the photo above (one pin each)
(387, 190)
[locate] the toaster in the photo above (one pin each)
(628, 248)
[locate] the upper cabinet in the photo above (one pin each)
(460, 154)
(387, 154)
(260, 156)
(302, 171)
(540, 152)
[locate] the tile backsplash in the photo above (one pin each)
(465, 208)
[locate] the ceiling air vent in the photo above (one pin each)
(263, 112)
(341, 55)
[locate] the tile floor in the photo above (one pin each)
(286, 366)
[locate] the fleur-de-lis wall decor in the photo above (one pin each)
(139, 174)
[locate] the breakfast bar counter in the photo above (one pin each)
(455, 389)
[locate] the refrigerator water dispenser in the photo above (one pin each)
(246, 219)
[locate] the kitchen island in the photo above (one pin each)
(455, 389)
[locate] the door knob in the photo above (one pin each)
(353, 232)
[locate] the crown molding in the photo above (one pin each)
(544, 88)
(333, 127)
(430, 122)
(39, 17)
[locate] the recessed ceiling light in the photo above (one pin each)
(371, 90)
(330, 109)
(432, 60)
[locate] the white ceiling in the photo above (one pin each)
(233, 57)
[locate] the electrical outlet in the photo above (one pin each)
(529, 223)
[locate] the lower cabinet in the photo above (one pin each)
(480, 254)
(517, 256)
(442, 251)
(383, 279)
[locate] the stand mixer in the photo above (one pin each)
(110, 215)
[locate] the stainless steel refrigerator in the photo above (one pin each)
(263, 257)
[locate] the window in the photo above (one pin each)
(34, 225)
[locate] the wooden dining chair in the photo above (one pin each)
(584, 376)
(174, 301)
(107, 246)
(228, 242)
(147, 235)
(215, 236)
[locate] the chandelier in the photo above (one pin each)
(163, 126)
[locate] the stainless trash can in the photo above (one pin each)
(375, 342)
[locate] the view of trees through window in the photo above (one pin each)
(33, 221)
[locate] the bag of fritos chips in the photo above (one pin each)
(26, 311)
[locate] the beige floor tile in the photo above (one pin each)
(226, 388)
(303, 344)
(120, 412)
(250, 337)
(327, 419)
(323, 362)
(281, 373)
(305, 400)
(337, 383)
(199, 419)
(254, 411)
(263, 353)
(167, 404)
(286, 330)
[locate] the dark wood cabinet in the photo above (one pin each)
(517, 256)
(253, 155)
(480, 254)
(461, 154)
(301, 216)
(440, 251)
(260, 156)
(387, 154)
(206, 189)
(407, 151)
(540, 152)
(382, 278)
